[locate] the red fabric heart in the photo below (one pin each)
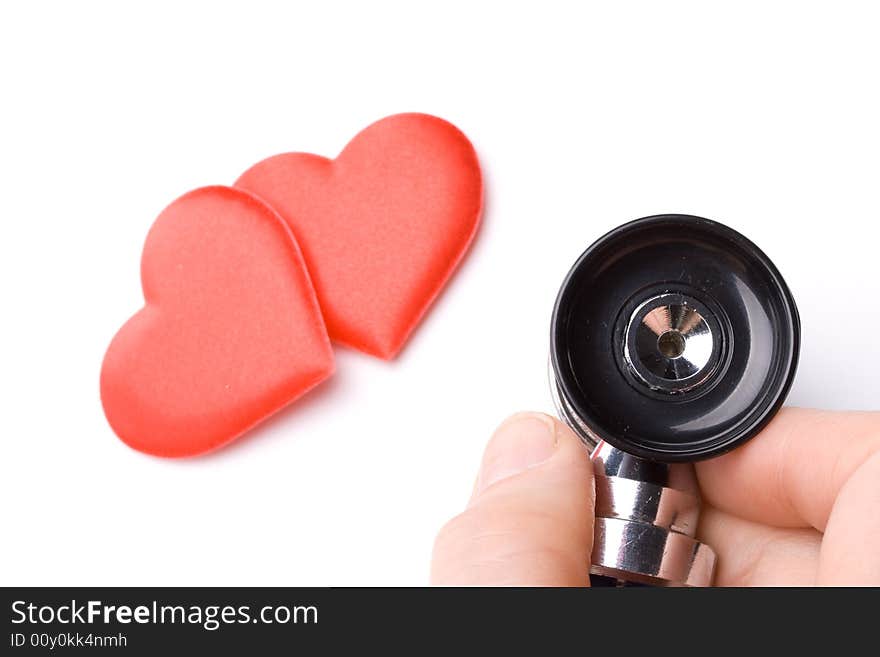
(231, 330)
(381, 227)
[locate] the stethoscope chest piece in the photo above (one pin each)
(674, 338)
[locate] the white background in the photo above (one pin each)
(763, 115)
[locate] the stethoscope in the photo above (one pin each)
(674, 338)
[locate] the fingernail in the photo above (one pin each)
(522, 442)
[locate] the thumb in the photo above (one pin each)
(530, 520)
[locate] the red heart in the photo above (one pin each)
(382, 227)
(231, 330)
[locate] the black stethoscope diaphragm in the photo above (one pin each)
(674, 338)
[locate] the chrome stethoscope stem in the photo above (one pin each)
(645, 518)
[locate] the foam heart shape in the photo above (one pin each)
(231, 330)
(381, 227)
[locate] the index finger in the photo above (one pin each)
(790, 474)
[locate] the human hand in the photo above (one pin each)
(798, 505)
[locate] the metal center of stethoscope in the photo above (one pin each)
(669, 345)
